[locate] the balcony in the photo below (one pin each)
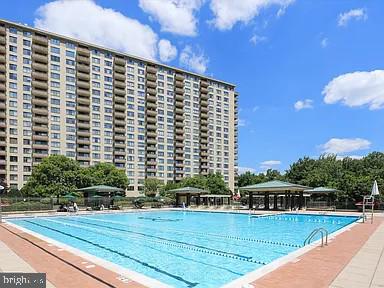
(179, 91)
(40, 111)
(40, 85)
(83, 76)
(152, 113)
(118, 91)
(120, 85)
(39, 49)
(40, 58)
(119, 77)
(40, 40)
(151, 141)
(179, 77)
(151, 84)
(83, 68)
(119, 61)
(37, 137)
(83, 92)
(119, 69)
(40, 67)
(2, 59)
(204, 83)
(83, 51)
(82, 60)
(151, 91)
(83, 109)
(151, 70)
(39, 76)
(83, 85)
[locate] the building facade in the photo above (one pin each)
(92, 104)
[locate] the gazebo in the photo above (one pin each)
(184, 195)
(101, 191)
(215, 199)
(321, 192)
(290, 195)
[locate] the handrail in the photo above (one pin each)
(323, 231)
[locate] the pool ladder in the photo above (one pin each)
(324, 234)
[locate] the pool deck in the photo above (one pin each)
(338, 265)
(355, 258)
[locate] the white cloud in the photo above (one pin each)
(357, 89)
(324, 42)
(269, 164)
(229, 12)
(255, 108)
(174, 16)
(345, 145)
(357, 14)
(193, 60)
(85, 20)
(242, 170)
(242, 123)
(303, 104)
(256, 39)
(167, 52)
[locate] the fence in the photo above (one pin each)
(29, 204)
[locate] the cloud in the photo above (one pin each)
(256, 39)
(195, 61)
(356, 14)
(357, 89)
(303, 104)
(174, 16)
(324, 42)
(255, 108)
(242, 123)
(85, 20)
(345, 145)
(269, 164)
(229, 12)
(242, 170)
(167, 52)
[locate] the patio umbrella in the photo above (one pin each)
(118, 197)
(69, 196)
(375, 189)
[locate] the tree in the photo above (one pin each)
(197, 181)
(152, 186)
(55, 175)
(104, 174)
(58, 175)
(215, 184)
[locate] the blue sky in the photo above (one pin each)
(309, 73)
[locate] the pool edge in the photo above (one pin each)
(133, 275)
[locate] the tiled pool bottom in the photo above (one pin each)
(185, 249)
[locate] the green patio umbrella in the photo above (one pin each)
(69, 196)
(118, 197)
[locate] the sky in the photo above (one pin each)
(310, 73)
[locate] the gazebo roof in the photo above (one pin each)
(190, 190)
(274, 186)
(322, 190)
(100, 189)
(216, 196)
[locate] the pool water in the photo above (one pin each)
(185, 249)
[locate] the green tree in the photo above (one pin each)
(104, 174)
(197, 181)
(152, 186)
(215, 184)
(55, 175)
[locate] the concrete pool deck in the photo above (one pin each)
(358, 249)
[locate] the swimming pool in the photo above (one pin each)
(185, 249)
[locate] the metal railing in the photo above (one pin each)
(324, 233)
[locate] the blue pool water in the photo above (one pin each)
(185, 249)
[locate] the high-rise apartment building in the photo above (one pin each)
(92, 104)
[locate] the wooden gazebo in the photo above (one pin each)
(290, 195)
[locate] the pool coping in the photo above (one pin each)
(254, 275)
(140, 278)
(133, 275)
